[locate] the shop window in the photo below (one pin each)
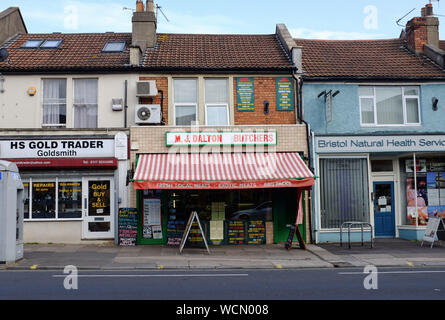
(52, 199)
(344, 191)
(389, 105)
(85, 103)
(423, 192)
(70, 200)
(217, 102)
(54, 102)
(185, 101)
(381, 166)
(43, 200)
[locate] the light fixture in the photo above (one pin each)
(435, 102)
(2, 81)
(266, 107)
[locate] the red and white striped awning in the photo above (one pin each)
(222, 171)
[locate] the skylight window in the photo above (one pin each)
(114, 46)
(34, 43)
(51, 43)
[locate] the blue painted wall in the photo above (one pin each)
(346, 110)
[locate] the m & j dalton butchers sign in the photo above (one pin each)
(69, 148)
(400, 143)
(221, 138)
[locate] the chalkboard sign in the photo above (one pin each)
(175, 230)
(290, 237)
(127, 226)
(236, 232)
(294, 230)
(256, 232)
(193, 217)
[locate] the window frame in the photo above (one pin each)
(217, 104)
(23, 46)
(114, 51)
(56, 181)
(186, 104)
(55, 125)
(73, 104)
(404, 111)
(59, 42)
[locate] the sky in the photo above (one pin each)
(315, 19)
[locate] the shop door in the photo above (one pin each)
(384, 217)
(98, 208)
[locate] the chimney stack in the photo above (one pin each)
(144, 26)
(424, 30)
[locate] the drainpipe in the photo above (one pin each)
(125, 104)
(299, 112)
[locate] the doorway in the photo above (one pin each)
(384, 213)
(98, 208)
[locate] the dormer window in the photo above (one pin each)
(51, 44)
(114, 46)
(32, 44)
(42, 44)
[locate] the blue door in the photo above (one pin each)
(384, 217)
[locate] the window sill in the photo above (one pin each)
(53, 220)
(390, 125)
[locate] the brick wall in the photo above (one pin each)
(416, 33)
(265, 89)
(161, 84)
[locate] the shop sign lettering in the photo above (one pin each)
(221, 138)
(379, 144)
(56, 148)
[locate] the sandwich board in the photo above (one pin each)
(435, 227)
(193, 216)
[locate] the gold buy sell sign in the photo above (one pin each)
(99, 198)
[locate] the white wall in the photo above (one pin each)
(19, 110)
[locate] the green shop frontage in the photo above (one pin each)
(240, 198)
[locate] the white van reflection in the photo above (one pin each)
(261, 212)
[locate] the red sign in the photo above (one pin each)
(254, 184)
(65, 163)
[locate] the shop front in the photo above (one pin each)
(242, 198)
(72, 185)
(391, 181)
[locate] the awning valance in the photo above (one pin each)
(222, 171)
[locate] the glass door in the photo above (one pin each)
(98, 208)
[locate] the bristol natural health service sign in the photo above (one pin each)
(399, 143)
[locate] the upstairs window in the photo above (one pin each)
(54, 102)
(389, 105)
(217, 102)
(114, 46)
(32, 44)
(186, 101)
(85, 103)
(51, 44)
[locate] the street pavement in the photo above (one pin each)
(261, 287)
(386, 253)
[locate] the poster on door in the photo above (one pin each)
(152, 224)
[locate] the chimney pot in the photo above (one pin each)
(423, 30)
(149, 6)
(139, 6)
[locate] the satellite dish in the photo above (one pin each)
(4, 54)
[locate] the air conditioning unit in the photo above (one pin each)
(146, 89)
(148, 114)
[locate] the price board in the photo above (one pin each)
(245, 92)
(435, 228)
(256, 232)
(285, 94)
(127, 226)
(236, 232)
(193, 217)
